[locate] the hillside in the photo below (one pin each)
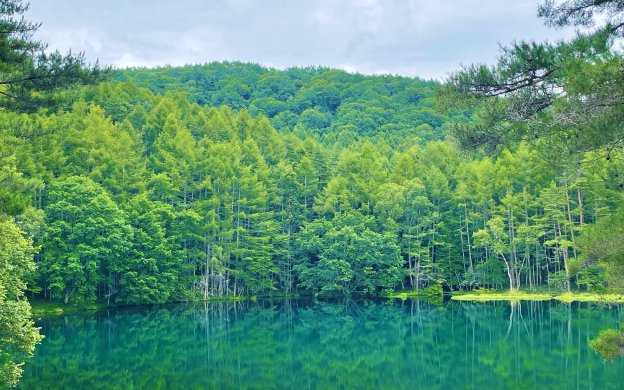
(307, 100)
(137, 197)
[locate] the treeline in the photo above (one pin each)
(339, 105)
(133, 197)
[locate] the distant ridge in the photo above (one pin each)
(311, 99)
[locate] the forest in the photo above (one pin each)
(231, 179)
(225, 180)
(136, 197)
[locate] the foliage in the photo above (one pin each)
(309, 101)
(231, 179)
(603, 244)
(18, 336)
(312, 179)
(30, 77)
(609, 343)
(227, 179)
(566, 93)
(565, 98)
(188, 201)
(218, 203)
(85, 241)
(345, 256)
(584, 13)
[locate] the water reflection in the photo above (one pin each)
(342, 344)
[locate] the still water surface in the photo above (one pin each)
(300, 344)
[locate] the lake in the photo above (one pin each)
(344, 344)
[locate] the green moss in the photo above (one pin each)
(491, 295)
(485, 296)
(590, 297)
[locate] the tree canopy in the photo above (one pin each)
(230, 179)
(31, 79)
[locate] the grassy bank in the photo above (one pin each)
(488, 295)
(44, 308)
(432, 293)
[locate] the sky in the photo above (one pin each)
(424, 38)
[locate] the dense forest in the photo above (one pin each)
(229, 179)
(136, 197)
(232, 179)
(338, 105)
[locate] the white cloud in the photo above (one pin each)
(410, 37)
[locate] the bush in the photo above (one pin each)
(609, 343)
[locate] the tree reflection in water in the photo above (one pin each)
(334, 344)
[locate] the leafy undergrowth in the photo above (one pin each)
(431, 293)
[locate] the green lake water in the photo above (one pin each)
(300, 344)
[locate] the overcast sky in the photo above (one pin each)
(423, 38)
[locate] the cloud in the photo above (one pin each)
(410, 37)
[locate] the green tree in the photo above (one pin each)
(603, 243)
(13, 187)
(565, 93)
(30, 77)
(496, 238)
(18, 336)
(105, 152)
(86, 239)
(345, 256)
(149, 274)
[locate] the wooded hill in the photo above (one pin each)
(240, 180)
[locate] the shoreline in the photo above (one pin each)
(40, 308)
(44, 308)
(538, 296)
